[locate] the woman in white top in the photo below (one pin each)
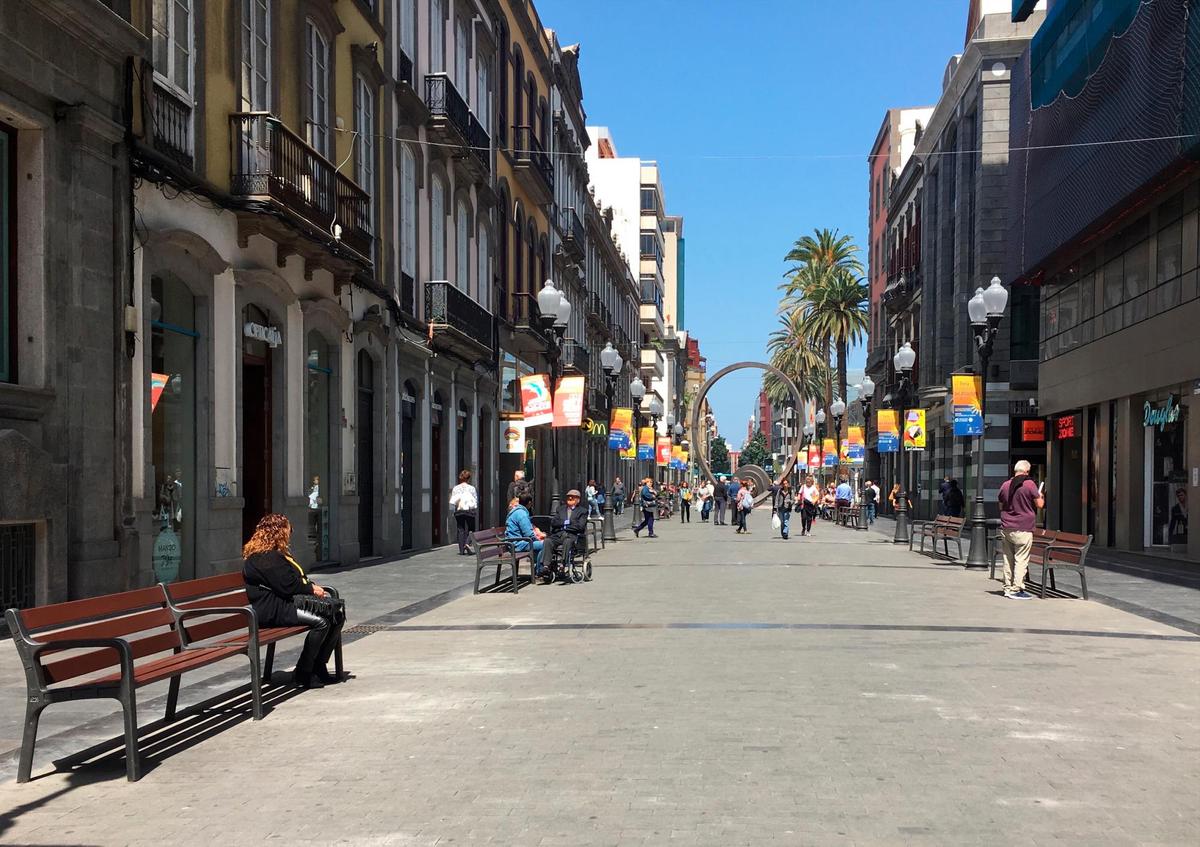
(465, 501)
(810, 498)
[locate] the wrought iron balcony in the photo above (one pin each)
(171, 133)
(458, 321)
(575, 356)
(451, 122)
(532, 165)
(573, 237)
(272, 163)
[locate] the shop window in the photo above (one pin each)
(173, 338)
(316, 445)
(1167, 478)
(8, 254)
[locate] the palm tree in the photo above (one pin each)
(793, 351)
(825, 252)
(835, 309)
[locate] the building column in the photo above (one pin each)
(226, 350)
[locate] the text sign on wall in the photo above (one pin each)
(1066, 426)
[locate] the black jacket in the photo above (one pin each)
(272, 580)
(577, 524)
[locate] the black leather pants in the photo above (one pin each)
(318, 644)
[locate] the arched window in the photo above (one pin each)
(541, 254)
(518, 75)
(535, 282)
(408, 215)
(483, 275)
(502, 100)
(518, 240)
(462, 247)
(437, 228)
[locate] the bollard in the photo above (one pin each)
(608, 531)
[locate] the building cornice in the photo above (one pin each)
(95, 25)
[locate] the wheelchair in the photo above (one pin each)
(579, 569)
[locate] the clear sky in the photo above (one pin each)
(761, 114)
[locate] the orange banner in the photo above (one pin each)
(663, 453)
(568, 401)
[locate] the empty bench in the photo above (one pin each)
(944, 528)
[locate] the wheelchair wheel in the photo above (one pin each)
(587, 570)
(576, 571)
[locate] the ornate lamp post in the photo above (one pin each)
(838, 409)
(637, 390)
(554, 313)
(611, 363)
(903, 361)
(985, 310)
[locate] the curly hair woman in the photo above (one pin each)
(273, 582)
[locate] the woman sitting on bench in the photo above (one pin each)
(275, 583)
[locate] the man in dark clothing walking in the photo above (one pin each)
(721, 499)
(649, 500)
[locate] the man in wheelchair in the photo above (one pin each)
(568, 530)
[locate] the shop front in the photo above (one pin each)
(1166, 473)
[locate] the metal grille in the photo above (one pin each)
(18, 546)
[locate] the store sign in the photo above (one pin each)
(158, 382)
(1066, 426)
(512, 433)
(1033, 431)
(269, 335)
(568, 402)
(167, 555)
(1160, 416)
(968, 404)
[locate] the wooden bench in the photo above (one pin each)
(1067, 550)
(1041, 537)
(845, 515)
(924, 529)
(108, 647)
(951, 529)
(215, 595)
(493, 548)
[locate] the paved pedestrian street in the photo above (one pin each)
(706, 688)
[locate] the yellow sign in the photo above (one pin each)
(914, 429)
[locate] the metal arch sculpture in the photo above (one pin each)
(699, 404)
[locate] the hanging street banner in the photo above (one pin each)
(536, 404)
(684, 459)
(968, 403)
(844, 453)
(568, 401)
(630, 451)
(677, 457)
(914, 429)
(158, 382)
(858, 445)
(888, 424)
(829, 451)
(620, 429)
(663, 453)
(645, 448)
(512, 434)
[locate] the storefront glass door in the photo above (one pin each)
(316, 447)
(1166, 483)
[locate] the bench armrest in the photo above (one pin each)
(182, 614)
(36, 648)
(1049, 550)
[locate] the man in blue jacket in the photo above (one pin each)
(732, 487)
(649, 500)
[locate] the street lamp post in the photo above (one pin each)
(637, 390)
(985, 310)
(866, 392)
(554, 313)
(820, 419)
(837, 408)
(610, 362)
(656, 413)
(903, 361)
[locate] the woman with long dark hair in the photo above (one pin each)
(274, 583)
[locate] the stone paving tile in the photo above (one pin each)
(717, 736)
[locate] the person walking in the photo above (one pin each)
(1019, 500)
(518, 486)
(618, 495)
(954, 500)
(943, 490)
(869, 494)
(744, 503)
(720, 501)
(704, 494)
(732, 489)
(810, 499)
(649, 500)
(685, 502)
(464, 499)
(785, 501)
(590, 492)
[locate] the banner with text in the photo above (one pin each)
(645, 450)
(914, 429)
(663, 455)
(620, 429)
(536, 404)
(888, 424)
(568, 401)
(968, 403)
(858, 445)
(830, 453)
(677, 457)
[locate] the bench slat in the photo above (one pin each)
(75, 611)
(175, 664)
(193, 588)
(73, 667)
(111, 627)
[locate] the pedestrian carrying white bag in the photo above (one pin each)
(776, 523)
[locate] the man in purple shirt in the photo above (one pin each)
(1020, 498)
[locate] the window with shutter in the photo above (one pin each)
(437, 36)
(437, 230)
(462, 248)
(462, 72)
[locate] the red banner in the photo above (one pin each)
(568, 401)
(663, 451)
(535, 400)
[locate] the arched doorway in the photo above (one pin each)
(317, 445)
(365, 451)
(257, 444)
(484, 483)
(462, 438)
(437, 476)
(408, 462)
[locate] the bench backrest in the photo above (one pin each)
(487, 536)
(1071, 546)
(224, 590)
(139, 617)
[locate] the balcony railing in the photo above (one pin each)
(447, 306)
(172, 130)
(575, 356)
(269, 160)
(480, 143)
(528, 152)
(445, 102)
(573, 233)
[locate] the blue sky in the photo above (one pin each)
(761, 114)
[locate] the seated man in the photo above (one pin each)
(567, 527)
(517, 526)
